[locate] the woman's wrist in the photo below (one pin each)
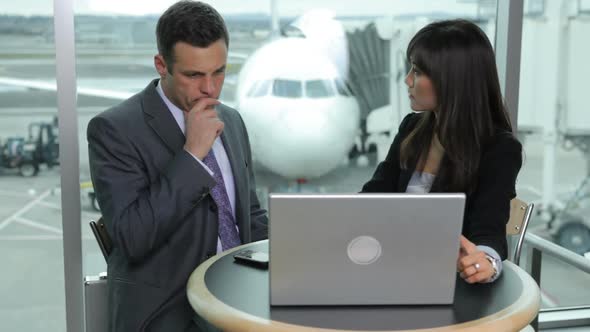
(494, 264)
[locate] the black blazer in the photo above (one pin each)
(155, 201)
(487, 209)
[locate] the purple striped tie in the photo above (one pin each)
(228, 234)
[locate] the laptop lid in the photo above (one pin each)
(364, 249)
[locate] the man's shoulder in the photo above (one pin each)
(229, 114)
(123, 109)
(128, 112)
(227, 110)
(121, 117)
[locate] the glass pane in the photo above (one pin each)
(554, 125)
(114, 60)
(286, 88)
(259, 89)
(291, 150)
(115, 55)
(31, 251)
(115, 45)
(319, 89)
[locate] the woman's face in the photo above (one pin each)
(421, 90)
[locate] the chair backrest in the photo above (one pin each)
(96, 313)
(520, 215)
(102, 237)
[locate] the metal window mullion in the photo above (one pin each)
(69, 161)
(508, 42)
(563, 318)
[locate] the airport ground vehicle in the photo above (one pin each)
(570, 224)
(16, 154)
(45, 138)
(88, 194)
(26, 154)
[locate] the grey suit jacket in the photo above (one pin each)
(154, 197)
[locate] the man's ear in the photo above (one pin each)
(160, 65)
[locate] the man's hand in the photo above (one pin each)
(472, 263)
(202, 127)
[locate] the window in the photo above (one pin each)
(31, 250)
(115, 44)
(259, 89)
(554, 126)
(319, 89)
(286, 88)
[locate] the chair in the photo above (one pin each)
(96, 312)
(520, 216)
(102, 237)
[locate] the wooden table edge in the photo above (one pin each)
(229, 318)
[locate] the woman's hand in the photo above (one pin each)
(472, 264)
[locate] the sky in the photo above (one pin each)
(228, 7)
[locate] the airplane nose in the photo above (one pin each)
(307, 124)
(310, 142)
(302, 138)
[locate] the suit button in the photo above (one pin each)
(213, 207)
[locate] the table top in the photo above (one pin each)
(235, 297)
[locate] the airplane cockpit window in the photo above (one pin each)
(342, 88)
(319, 89)
(259, 89)
(286, 88)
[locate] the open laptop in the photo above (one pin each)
(364, 249)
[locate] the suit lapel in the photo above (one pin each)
(163, 123)
(160, 119)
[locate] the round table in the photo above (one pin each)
(235, 297)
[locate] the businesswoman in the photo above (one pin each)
(459, 141)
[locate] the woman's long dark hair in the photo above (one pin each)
(459, 59)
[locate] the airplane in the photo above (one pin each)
(301, 117)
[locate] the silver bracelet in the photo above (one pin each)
(492, 261)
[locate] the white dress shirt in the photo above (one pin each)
(218, 151)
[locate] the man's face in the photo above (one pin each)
(196, 73)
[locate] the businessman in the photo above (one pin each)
(173, 175)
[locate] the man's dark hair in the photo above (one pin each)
(192, 22)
